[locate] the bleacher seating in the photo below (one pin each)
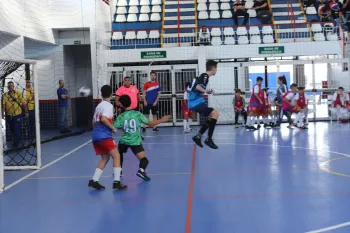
(138, 22)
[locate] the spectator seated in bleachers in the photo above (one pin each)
(263, 11)
(240, 10)
(335, 6)
(204, 36)
(342, 20)
(323, 10)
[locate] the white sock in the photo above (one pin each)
(189, 123)
(116, 172)
(97, 174)
(257, 120)
(249, 121)
(185, 124)
(339, 115)
(298, 119)
(266, 120)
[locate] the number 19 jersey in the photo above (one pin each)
(130, 122)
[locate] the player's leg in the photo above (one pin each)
(94, 183)
(154, 110)
(209, 124)
(146, 112)
(122, 149)
(245, 116)
(191, 115)
(117, 185)
(140, 153)
(306, 113)
(185, 121)
(236, 118)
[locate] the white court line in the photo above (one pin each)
(330, 228)
(46, 166)
(273, 145)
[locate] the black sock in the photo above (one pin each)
(143, 163)
(203, 128)
(212, 125)
(236, 117)
(121, 159)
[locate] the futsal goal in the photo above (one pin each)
(20, 147)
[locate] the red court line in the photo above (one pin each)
(190, 193)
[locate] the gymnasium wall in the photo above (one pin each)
(100, 42)
(228, 51)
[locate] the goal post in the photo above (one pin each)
(20, 141)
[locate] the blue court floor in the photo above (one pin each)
(267, 181)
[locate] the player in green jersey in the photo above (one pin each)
(130, 121)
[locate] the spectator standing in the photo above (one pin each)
(240, 10)
(262, 11)
(151, 95)
(28, 95)
(63, 97)
(131, 91)
(12, 105)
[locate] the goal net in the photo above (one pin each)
(20, 127)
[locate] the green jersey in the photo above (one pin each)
(130, 122)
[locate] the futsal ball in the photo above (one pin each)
(84, 91)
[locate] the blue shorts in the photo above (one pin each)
(203, 109)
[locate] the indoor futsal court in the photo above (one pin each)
(286, 180)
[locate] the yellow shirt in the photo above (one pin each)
(10, 106)
(28, 95)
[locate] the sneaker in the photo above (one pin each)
(143, 175)
(186, 131)
(259, 126)
(277, 126)
(267, 126)
(155, 130)
(236, 126)
(189, 129)
(96, 185)
(210, 143)
(290, 126)
(198, 141)
(253, 128)
(117, 185)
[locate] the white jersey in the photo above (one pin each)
(292, 97)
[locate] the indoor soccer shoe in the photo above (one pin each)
(143, 175)
(117, 185)
(198, 141)
(210, 143)
(96, 185)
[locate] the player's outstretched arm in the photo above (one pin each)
(157, 122)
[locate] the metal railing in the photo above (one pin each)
(142, 39)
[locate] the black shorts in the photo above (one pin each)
(150, 109)
(135, 149)
(203, 109)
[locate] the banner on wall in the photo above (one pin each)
(153, 54)
(271, 50)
